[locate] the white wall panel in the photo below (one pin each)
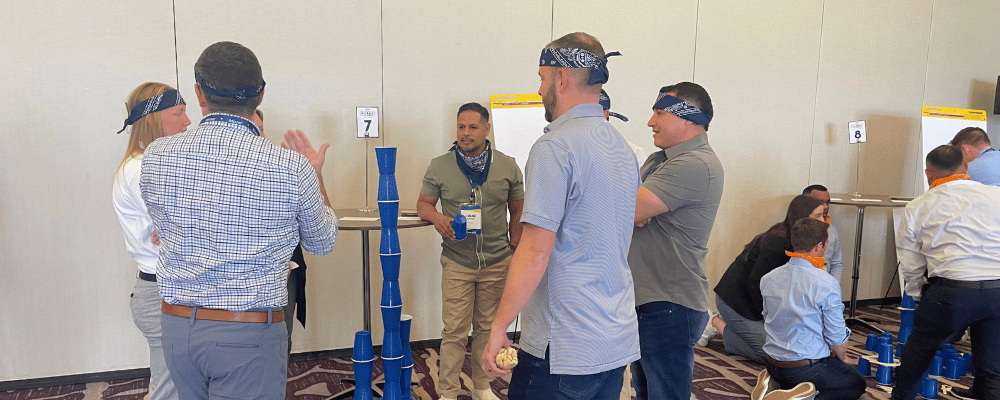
(758, 61)
(873, 61)
(66, 72)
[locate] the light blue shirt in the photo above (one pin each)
(580, 182)
(985, 168)
(834, 257)
(803, 312)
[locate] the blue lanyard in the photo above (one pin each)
(232, 119)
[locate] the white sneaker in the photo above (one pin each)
(764, 385)
(485, 394)
(447, 398)
(710, 330)
(802, 391)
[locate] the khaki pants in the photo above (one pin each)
(469, 297)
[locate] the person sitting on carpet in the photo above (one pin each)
(804, 322)
(738, 296)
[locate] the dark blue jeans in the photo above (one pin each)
(942, 311)
(531, 380)
(667, 335)
(834, 379)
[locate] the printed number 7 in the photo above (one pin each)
(368, 124)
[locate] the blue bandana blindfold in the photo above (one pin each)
(605, 103)
(566, 57)
(681, 109)
(160, 102)
(241, 93)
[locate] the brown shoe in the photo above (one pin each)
(802, 391)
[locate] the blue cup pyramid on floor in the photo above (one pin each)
(362, 359)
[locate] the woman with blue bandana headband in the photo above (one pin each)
(155, 110)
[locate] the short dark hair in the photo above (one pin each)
(972, 136)
(229, 66)
(484, 114)
(692, 93)
(809, 189)
(945, 158)
(580, 40)
(807, 233)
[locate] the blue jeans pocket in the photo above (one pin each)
(580, 386)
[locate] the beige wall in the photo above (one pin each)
(785, 77)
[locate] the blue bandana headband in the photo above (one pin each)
(681, 109)
(605, 103)
(242, 93)
(567, 57)
(160, 102)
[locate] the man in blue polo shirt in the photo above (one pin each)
(979, 154)
(570, 274)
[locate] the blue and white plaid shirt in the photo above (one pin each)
(230, 207)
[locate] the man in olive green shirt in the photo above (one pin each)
(475, 268)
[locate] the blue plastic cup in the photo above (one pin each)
(390, 241)
(390, 295)
(887, 336)
(391, 348)
(406, 374)
(907, 302)
(459, 226)
(947, 346)
(363, 351)
(864, 367)
(871, 343)
(390, 321)
(885, 353)
(387, 190)
(363, 380)
(388, 212)
(883, 375)
(905, 320)
(385, 157)
(928, 388)
(405, 321)
(390, 266)
(937, 364)
(952, 369)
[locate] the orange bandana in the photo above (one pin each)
(947, 179)
(817, 262)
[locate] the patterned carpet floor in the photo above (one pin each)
(717, 375)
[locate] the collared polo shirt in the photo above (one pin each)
(581, 181)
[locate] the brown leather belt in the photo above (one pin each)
(222, 315)
(789, 364)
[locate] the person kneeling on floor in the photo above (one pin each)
(804, 320)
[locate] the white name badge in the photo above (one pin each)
(473, 214)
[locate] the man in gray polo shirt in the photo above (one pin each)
(474, 268)
(570, 273)
(675, 210)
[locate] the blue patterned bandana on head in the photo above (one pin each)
(242, 93)
(681, 109)
(605, 103)
(567, 57)
(160, 102)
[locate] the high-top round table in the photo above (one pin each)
(349, 222)
(861, 201)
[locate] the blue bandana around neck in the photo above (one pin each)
(605, 103)
(241, 93)
(160, 102)
(681, 109)
(568, 57)
(476, 169)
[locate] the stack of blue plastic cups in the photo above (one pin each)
(905, 320)
(407, 372)
(363, 357)
(883, 374)
(389, 254)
